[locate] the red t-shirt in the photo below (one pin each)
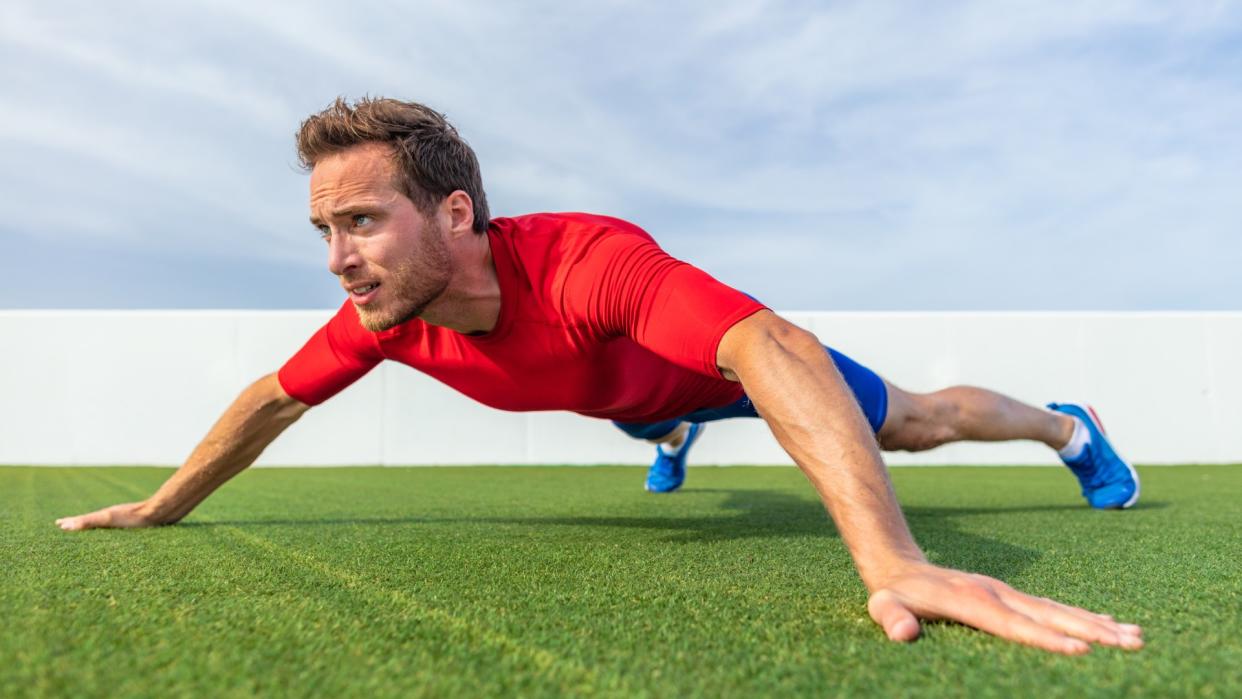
(594, 318)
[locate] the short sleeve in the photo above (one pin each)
(625, 284)
(338, 354)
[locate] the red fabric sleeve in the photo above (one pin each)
(340, 353)
(626, 285)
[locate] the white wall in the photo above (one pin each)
(141, 387)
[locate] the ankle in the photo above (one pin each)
(1077, 443)
(672, 441)
(1064, 428)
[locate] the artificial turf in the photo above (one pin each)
(573, 581)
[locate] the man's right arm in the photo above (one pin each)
(255, 418)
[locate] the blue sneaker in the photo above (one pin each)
(1108, 481)
(669, 472)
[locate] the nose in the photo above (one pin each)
(342, 254)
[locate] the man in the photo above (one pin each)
(586, 313)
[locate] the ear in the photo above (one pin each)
(458, 207)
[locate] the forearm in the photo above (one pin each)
(259, 414)
(802, 397)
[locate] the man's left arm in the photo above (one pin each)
(800, 394)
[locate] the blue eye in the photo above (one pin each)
(362, 220)
(324, 232)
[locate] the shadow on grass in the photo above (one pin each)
(762, 514)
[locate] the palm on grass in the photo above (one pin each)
(128, 515)
(933, 593)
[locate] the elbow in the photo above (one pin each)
(762, 341)
(789, 338)
(783, 339)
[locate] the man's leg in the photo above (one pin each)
(673, 440)
(668, 432)
(919, 421)
(908, 421)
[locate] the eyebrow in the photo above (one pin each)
(356, 208)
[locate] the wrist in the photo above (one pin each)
(154, 511)
(878, 573)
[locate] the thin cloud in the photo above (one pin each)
(860, 155)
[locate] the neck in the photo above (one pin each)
(470, 304)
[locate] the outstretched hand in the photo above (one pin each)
(930, 592)
(126, 516)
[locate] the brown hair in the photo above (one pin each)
(431, 159)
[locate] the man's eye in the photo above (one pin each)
(362, 220)
(324, 232)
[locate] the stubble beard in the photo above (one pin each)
(414, 283)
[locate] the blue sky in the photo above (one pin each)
(849, 155)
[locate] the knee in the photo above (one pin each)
(926, 422)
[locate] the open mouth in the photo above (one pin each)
(363, 294)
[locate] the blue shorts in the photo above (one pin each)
(868, 388)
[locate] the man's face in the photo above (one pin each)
(391, 260)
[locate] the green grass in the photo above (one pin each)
(554, 581)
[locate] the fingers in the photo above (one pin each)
(998, 609)
(82, 522)
(983, 609)
(1128, 628)
(126, 515)
(70, 524)
(896, 620)
(1076, 622)
(115, 516)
